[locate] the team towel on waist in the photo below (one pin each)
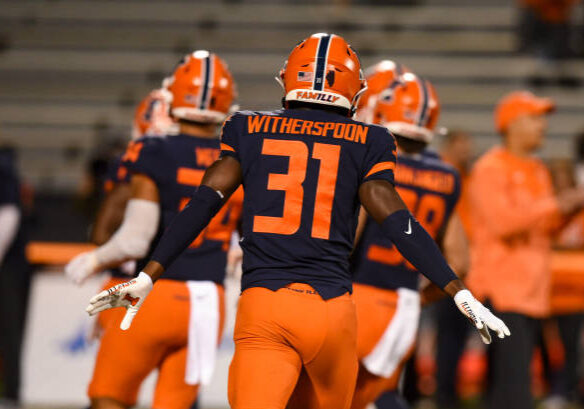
(203, 330)
(398, 337)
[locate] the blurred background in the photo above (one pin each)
(73, 71)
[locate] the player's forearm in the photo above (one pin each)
(110, 215)
(185, 227)
(133, 238)
(154, 269)
(416, 245)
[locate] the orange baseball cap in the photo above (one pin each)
(519, 103)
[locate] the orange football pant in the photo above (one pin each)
(375, 307)
(113, 316)
(158, 338)
(281, 334)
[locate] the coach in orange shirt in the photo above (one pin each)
(514, 212)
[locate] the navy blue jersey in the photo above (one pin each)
(430, 188)
(177, 164)
(301, 173)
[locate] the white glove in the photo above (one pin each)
(130, 295)
(82, 266)
(480, 316)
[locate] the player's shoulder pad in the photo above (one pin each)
(379, 134)
(433, 160)
(154, 145)
(151, 141)
(143, 150)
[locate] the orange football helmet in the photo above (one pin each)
(384, 75)
(410, 110)
(323, 69)
(202, 88)
(152, 115)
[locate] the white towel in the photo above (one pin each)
(398, 337)
(203, 330)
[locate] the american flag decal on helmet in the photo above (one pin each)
(306, 76)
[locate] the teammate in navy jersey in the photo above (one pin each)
(305, 171)
(151, 119)
(179, 329)
(386, 284)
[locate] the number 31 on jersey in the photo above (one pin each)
(291, 184)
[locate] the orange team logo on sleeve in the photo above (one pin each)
(133, 152)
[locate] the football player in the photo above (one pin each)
(306, 170)
(178, 331)
(385, 288)
(151, 119)
(384, 76)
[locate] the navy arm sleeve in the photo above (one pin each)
(416, 245)
(187, 225)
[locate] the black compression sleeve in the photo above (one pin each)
(416, 245)
(187, 225)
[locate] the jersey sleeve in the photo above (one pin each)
(380, 158)
(230, 136)
(143, 156)
(116, 173)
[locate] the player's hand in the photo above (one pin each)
(130, 295)
(480, 316)
(81, 267)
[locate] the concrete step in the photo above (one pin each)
(217, 14)
(77, 37)
(475, 118)
(144, 63)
